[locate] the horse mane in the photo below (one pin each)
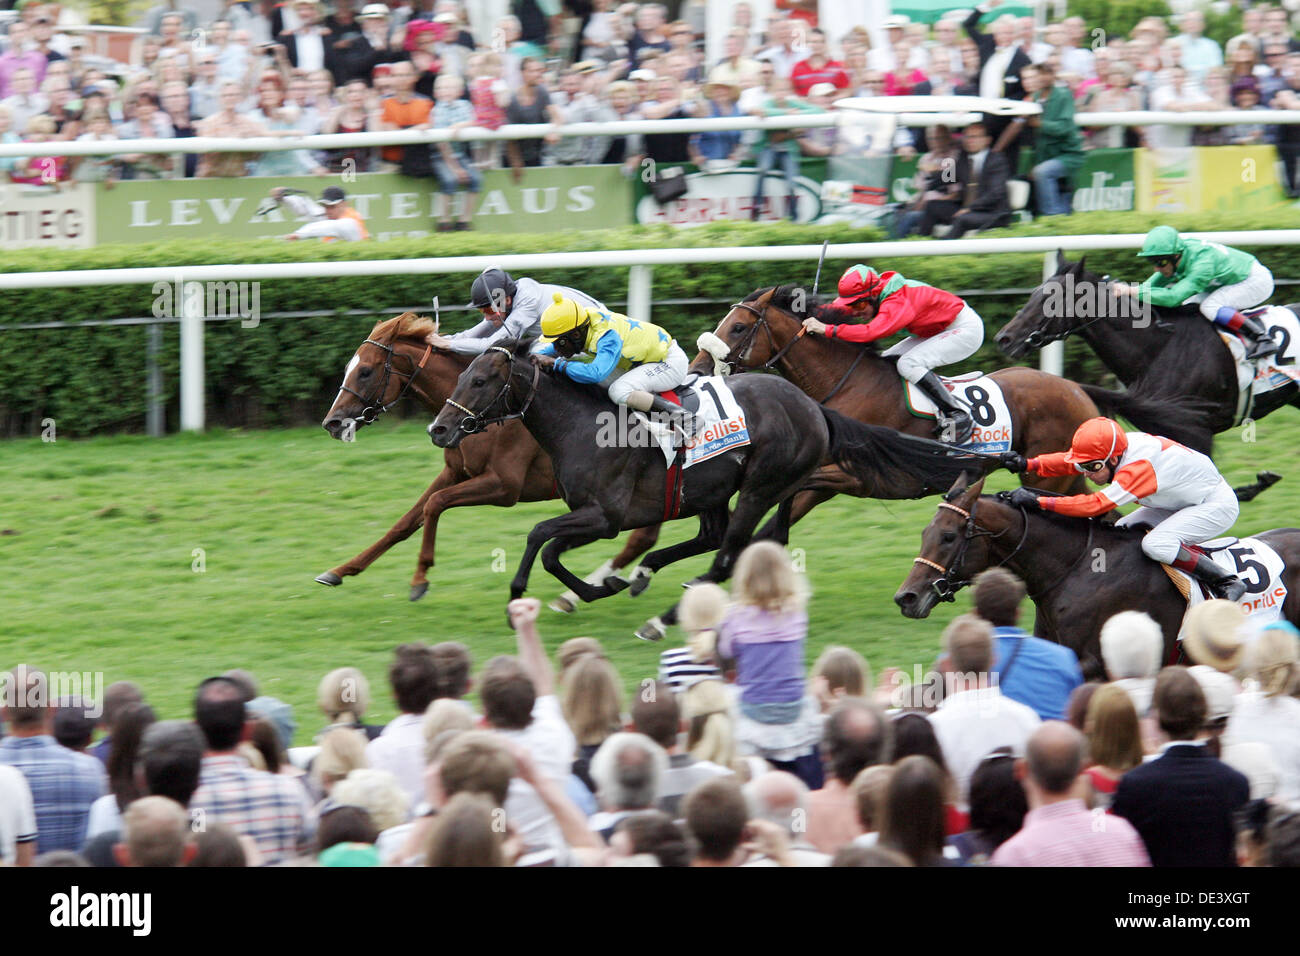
(408, 325)
(521, 348)
(784, 298)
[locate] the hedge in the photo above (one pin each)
(287, 371)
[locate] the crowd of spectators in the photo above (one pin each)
(737, 754)
(303, 67)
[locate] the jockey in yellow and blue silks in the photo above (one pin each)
(632, 359)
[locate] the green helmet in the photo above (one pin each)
(1161, 241)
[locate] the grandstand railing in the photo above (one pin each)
(640, 262)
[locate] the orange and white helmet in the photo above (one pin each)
(1097, 439)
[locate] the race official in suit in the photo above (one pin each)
(982, 175)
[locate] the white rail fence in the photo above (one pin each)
(640, 262)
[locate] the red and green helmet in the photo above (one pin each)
(856, 283)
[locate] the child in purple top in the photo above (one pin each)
(764, 631)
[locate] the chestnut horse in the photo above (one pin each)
(501, 466)
(765, 331)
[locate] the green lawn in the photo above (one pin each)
(98, 553)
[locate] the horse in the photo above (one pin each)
(1078, 571)
(502, 466)
(1174, 355)
(612, 485)
(765, 331)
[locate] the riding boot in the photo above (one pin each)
(950, 412)
(684, 419)
(1202, 567)
(1262, 343)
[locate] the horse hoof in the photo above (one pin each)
(652, 630)
(419, 590)
(329, 578)
(563, 605)
(614, 584)
(640, 580)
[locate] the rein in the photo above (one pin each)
(373, 408)
(476, 422)
(742, 350)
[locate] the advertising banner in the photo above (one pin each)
(572, 197)
(1208, 179)
(46, 216)
(728, 196)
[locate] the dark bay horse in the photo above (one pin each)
(612, 485)
(501, 466)
(1079, 572)
(766, 331)
(1174, 356)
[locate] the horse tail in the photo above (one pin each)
(1183, 419)
(891, 464)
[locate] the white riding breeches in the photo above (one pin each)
(1249, 292)
(1194, 524)
(652, 377)
(918, 356)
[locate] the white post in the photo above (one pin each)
(1052, 358)
(638, 292)
(191, 312)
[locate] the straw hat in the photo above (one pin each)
(1213, 637)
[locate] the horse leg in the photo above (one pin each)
(712, 525)
(403, 529)
(800, 504)
(485, 489)
(589, 520)
(583, 590)
(638, 543)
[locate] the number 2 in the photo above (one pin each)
(1280, 357)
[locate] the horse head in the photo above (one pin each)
(952, 551)
(485, 393)
(755, 330)
(1050, 314)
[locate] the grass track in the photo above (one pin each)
(100, 576)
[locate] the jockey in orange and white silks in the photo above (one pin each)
(1183, 497)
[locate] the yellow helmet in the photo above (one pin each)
(563, 315)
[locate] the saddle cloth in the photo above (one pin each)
(1275, 371)
(719, 421)
(985, 402)
(1255, 563)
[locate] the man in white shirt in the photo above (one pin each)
(1200, 53)
(400, 748)
(975, 718)
(1027, 40)
(782, 799)
(17, 819)
(885, 58)
(1075, 58)
(1175, 91)
(946, 47)
(782, 53)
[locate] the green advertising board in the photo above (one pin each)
(574, 197)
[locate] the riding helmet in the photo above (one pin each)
(491, 286)
(561, 316)
(1161, 241)
(1097, 439)
(859, 281)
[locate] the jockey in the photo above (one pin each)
(632, 359)
(1224, 281)
(1184, 498)
(943, 329)
(512, 309)
(331, 218)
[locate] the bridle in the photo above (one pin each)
(475, 421)
(746, 345)
(946, 589)
(1040, 337)
(372, 407)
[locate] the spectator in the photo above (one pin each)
(357, 54)
(232, 55)
(124, 783)
(530, 104)
(1076, 55)
(1076, 711)
(1117, 94)
(1027, 40)
(1245, 97)
(778, 147)
(20, 57)
(699, 613)
(653, 833)
(1058, 147)
(279, 118)
(735, 68)
(592, 703)
(1252, 30)
(999, 71)
(343, 696)
(781, 51)
(268, 808)
(1175, 92)
(628, 771)
(384, 800)
(982, 175)
(764, 631)
(716, 814)
(721, 146)
(997, 809)
(117, 697)
(1185, 791)
(1131, 643)
(780, 799)
(975, 718)
(405, 109)
(817, 67)
(914, 737)
(1277, 30)
(176, 107)
(310, 45)
(1114, 741)
(1266, 712)
(1059, 830)
(897, 53)
(148, 122)
(22, 101)
(938, 191)
(17, 819)
(868, 790)
(945, 50)
(451, 161)
(465, 834)
(1039, 674)
(710, 731)
(1199, 52)
(912, 817)
(342, 750)
(413, 676)
(346, 837)
(228, 122)
(856, 736)
(157, 833)
(656, 714)
(839, 672)
(73, 725)
(63, 784)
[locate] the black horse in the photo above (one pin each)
(1079, 572)
(1176, 356)
(611, 487)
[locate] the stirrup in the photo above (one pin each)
(962, 424)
